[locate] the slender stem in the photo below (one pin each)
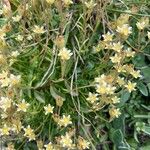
(127, 12)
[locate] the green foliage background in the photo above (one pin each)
(43, 81)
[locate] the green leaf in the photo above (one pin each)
(39, 96)
(132, 143)
(55, 93)
(119, 123)
(2, 21)
(146, 107)
(148, 86)
(146, 74)
(124, 146)
(136, 136)
(147, 147)
(68, 66)
(143, 89)
(65, 67)
(117, 137)
(125, 95)
(146, 130)
(139, 60)
(142, 116)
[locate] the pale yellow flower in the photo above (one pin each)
(122, 19)
(5, 82)
(29, 133)
(129, 53)
(23, 106)
(17, 18)
(136, 74)
(110, 89)
(108, 45)
(2, 34)
(108, 37)
(17, 126)
(38, 29)
(6, 10)
(27, 6)
(11, 61)
(10, 146)
(48, 109)
(49, 146)
(125, 29)
(4, 115)
(29, 37)
(3, 43)
(114, 113)
(19, 38)
(5, 103)
(103, 84)
(60, 41)
(66, 141)
(117, 47)
(101, 45)
(101, 89)
(5, 130)
(40, 144)
(50, 1)
(15, 54)
(129, 67)
(92, 97)
(110, 78)
(4, 74)
(120, 81)
(14, 80)
(65, 54)
(2, 59)
(65, 121)
(141, 25)
(105, 89)
(130, 86)
(67, 2)
(101, 79)
(120, 68)
(116, 59)
(115, 99)
(144, 22)
(90, 5)
(82, 143)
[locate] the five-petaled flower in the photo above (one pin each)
(22, 106)
(130, 86)
(48, 109)
(38, 29)
(65, 121)
(29, 133)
